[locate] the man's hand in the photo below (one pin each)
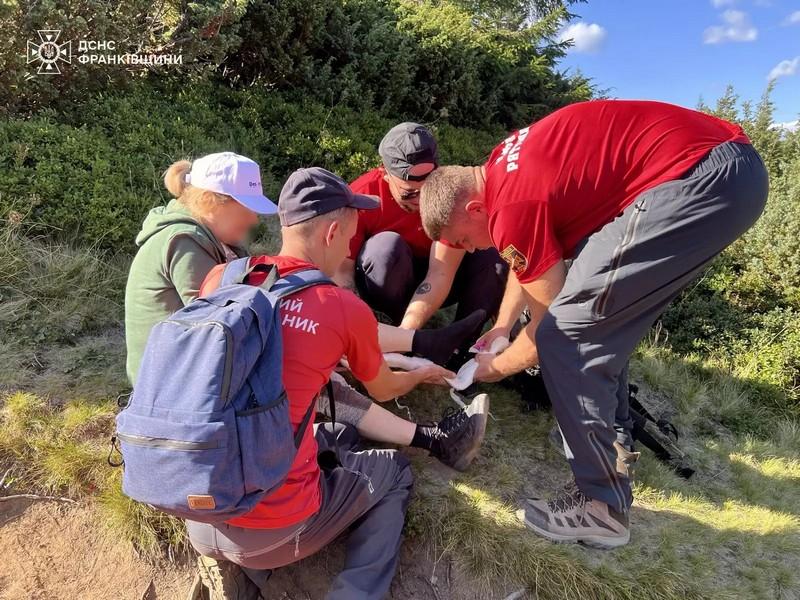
(538, 295)
(485, 341)
(486, 370)
(390, 384)
(433, 374)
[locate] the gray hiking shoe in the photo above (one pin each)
(460, 433)
(222, 580)
(626, 459)
(572, 517)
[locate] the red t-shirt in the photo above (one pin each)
(388, 217)
(553, 183)
(319, 326)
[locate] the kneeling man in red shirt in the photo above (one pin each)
(641, 196)
(331, 487)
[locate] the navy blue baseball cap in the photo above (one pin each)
(314, 191)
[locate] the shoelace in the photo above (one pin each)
(452, 420)
(568, 498)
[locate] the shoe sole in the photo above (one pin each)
(595, 541)
(478, 407)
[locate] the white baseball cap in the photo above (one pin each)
(234, 175)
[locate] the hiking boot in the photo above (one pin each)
(626, 459)
(459, 435)
(572, 517)
(222, 580)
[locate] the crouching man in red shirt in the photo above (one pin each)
(395, 266)
(642, 196)
(366, 492)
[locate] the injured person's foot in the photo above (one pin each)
(439, 344)
(457, 438)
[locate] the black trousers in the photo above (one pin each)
(387, 274)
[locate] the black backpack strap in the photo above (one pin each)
(301, 431)
(307, 418)
(331, 404)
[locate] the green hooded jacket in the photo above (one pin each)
(175, 254)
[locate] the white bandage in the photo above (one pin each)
(406, 363)
(466, 374)
(396, 360)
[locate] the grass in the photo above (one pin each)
(732, 531)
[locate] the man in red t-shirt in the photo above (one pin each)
(641, 196)
(366, 492)
(395, 266)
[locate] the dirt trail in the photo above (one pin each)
(50, 550)
(54, 551)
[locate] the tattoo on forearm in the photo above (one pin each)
(424, 288)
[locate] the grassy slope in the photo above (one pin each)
(731, 532)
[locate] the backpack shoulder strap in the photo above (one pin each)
(234, 272)
(297, 281)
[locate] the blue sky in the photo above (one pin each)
(678, 50)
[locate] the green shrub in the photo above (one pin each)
(426, 60)
(433, 61)
(202, 33)
(744, 313)
(93, 183)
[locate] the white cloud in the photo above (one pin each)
(792, 19)
(788, 126)
(736, 28)
(785, 68)
(721, 3)
(586, 37)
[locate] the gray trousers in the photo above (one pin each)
(618, 285)
(351, 405)
(387, 274)
(367, 495)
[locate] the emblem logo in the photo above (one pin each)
(516, 260)
(48, 52)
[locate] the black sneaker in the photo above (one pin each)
(459, 434)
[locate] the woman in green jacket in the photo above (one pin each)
(217, 202)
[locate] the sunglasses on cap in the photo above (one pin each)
(419, 171)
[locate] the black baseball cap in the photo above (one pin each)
(409, 151)
(314, 191)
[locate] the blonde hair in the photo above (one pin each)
(200, 202)
(445, 189)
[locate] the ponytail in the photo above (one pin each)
(200, 202)
(175, 177)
